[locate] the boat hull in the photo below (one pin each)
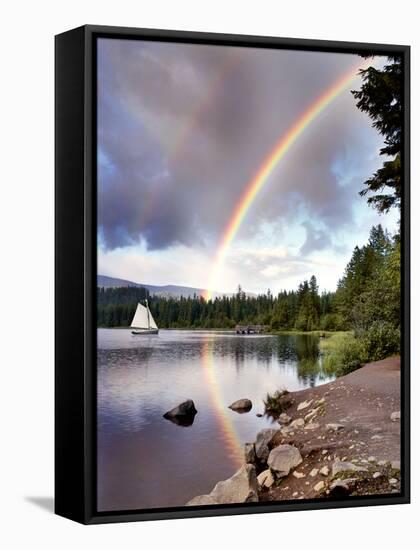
(146, 331)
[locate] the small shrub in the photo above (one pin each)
(277, 402)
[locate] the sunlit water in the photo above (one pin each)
(146, 461)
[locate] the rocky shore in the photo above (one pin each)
(336, 440)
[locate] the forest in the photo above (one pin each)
(368, 292)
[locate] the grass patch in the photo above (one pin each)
(342, 353)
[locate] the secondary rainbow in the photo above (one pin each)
(267, 167)
(178, 146)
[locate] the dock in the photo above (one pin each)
(249, 329)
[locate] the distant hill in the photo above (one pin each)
(166, 290)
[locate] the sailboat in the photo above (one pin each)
(143, 322)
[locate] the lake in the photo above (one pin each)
(146, 461)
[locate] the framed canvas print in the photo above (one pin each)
(232, 274)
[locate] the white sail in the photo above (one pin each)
(140, 318)
(143, 318)
(152, 321)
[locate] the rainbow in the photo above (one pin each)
(230, 437)
(267, 167)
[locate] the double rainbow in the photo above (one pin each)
(267, 167)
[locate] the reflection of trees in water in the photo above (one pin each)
(309, 370)
(299, 350)
(302, 349)
(307, 347)
(243, 348)
(309, 360)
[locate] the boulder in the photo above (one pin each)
(265, 479)
(283, 458)
(202, 500)
(183, 414)
(249, 451)
(324, 471)
(241, 405)
(261, 445)
(241, 487)
(319, 486)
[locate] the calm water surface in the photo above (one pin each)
(145, 461)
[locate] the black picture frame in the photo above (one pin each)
(75, 273)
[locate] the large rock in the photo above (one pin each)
(283, 458)
(241, 487)
(183, 414)
(202, 500)
(242, 405)
(262, 449)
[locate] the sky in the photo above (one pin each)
(183, 129)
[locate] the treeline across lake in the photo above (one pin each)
(304, 309)
(368, 293)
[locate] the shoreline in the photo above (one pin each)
(285, 332)
(341, 439)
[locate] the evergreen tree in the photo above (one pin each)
(381, 98)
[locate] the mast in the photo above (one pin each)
(148, 316)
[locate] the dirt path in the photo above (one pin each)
(349, 421)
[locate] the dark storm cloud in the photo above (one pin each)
(183, 128)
